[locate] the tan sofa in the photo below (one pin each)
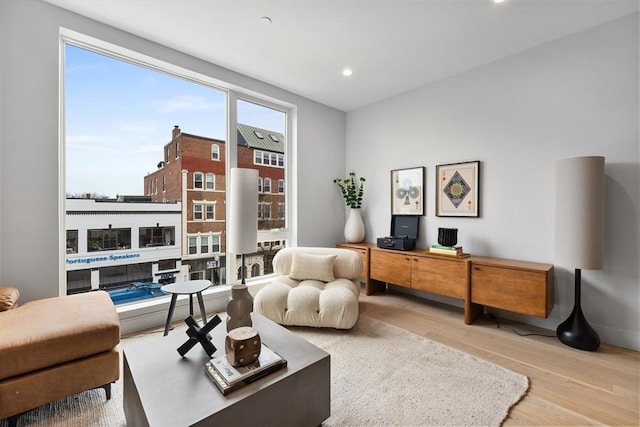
(55, 347)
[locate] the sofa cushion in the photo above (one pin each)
(309, 302)
(8, 298)
(312, 267)
(50, 331)
(347, 264)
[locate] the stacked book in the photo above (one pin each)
(446, 250)
(228, 378)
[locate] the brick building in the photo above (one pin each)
(193, 171)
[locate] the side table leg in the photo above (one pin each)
(203, 312)
(172, 307)
(190, 304)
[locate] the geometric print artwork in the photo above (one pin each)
(456, 189)
(407, 191)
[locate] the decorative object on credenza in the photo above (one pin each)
(407, 191)
(242, 346)
(579, 236)
(352, 193)
(229, 378)
(447, 236)
(199, 335)
(243, 237)
(354, 227)
(239, 307)
(456, 251)
(458, 189)
(404, 233)
(447, 241)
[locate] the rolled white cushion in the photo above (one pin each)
(312, 267)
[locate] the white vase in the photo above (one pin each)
(354, 228)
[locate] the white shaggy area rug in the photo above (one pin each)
(381, 375)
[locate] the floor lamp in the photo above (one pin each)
(579, 236)
(243, 239)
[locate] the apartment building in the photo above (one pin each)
(193, 171)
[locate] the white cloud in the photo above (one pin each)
(185, 103)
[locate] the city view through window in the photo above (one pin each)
(147, 157)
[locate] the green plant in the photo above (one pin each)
(351, 192)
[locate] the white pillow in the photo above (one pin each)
(312, 267)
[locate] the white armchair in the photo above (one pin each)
(315, 287)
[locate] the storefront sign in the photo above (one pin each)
(110, 258)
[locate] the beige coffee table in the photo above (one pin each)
(163, 389)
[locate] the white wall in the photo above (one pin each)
(574, 97)
(29, 171)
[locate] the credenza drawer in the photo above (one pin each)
(522, 291)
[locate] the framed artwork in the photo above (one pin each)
(458, 189)
(407, 191)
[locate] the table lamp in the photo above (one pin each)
(579, 236)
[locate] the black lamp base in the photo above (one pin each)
(576, 331)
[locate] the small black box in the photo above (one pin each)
(404, 233)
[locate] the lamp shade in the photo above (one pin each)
(579, 234)
(243, 211)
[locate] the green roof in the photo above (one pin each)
(261, 139)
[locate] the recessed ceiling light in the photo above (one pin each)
(498, 1)
(265, 20)
(347, 72)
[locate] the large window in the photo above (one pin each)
(109, 239)
(150, 121)
(72, 241)
(78, 281)
(268, 159)
(124, 275)
(157, 236)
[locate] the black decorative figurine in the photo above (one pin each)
(197, 334)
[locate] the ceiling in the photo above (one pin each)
(392, 46)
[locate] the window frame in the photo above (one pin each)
(209, 207)
(213, 181)
(194, 245)
(234, 93)
(197, 174)
(198, 208)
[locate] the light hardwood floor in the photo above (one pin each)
(568, 387)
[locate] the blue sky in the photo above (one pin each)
(118, 117)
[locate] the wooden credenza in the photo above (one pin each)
(517, 286)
